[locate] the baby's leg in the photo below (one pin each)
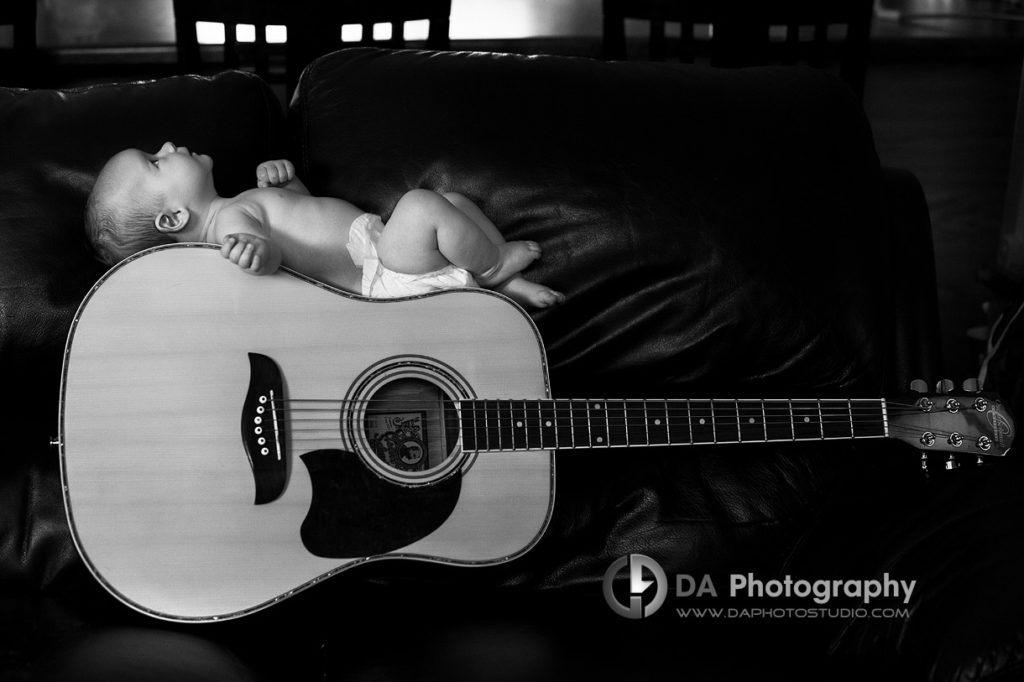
(426, 232)
(516, 287)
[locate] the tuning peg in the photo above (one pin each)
(919, 386)
(971, 386)
(944, 386)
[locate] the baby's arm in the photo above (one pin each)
(245, 241)
(279, 173)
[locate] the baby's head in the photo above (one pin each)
(142, 200)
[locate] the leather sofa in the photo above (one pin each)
(717, 234)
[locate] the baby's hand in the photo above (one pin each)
(248, 251)
(274, 173)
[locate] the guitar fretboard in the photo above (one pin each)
(504, 425)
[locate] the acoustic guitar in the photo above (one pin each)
(228, 441)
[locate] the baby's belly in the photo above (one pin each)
(313, 239)
(329, 263)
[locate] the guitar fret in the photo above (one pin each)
(467, 423)
(506, 436)
(668, 425)
(522, 422)
(751, 420)
(618, 429)
(506, 420)
(778, 420)
(548, 425)
(636, 422)
(678, 412)
(607, 426)
(647, 427)
(689, 420)
(524, 425)
(494, 433)
(656, 426)
(590, 428)
(562, 424)
(702, 422)
(837, 420)
(581, 424)
(479, 421)
(871, 420)
(536, 431)
(599, 428)
(807, 420)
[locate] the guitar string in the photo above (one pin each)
(725, 416)
(789, 416)
(728, 405)
(726, 434)
(530, 415)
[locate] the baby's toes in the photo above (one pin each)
(545, 298)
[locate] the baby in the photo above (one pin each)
(431, 241)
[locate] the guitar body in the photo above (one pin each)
(185, 510)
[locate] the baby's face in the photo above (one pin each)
(175, 173)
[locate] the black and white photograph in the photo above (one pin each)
(511, 340)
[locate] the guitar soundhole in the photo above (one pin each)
(411, 425)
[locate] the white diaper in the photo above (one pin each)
(379, 282)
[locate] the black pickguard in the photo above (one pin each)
(355, 513)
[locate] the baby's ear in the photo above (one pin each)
(172, 221)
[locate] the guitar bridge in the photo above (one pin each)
(263, 428)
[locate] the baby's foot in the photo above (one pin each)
(530, 294)
(512, 258)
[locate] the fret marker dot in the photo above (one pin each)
(547, 423)
(597, 406)
(519, 425)
(751, 420)
(701, 420)
(657, 422)
(600, 439)
(806, 419)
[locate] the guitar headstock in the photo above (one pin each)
(968, 426)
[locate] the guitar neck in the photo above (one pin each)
(504, 425)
